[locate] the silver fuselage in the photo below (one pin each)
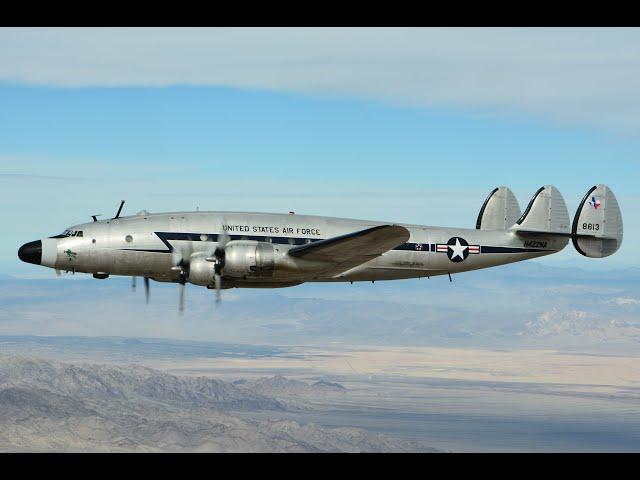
(142, 245)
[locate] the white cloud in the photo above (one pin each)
(623, 301)
(582, 77)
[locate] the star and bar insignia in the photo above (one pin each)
(457, 249)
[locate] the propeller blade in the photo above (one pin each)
(176, 257)
(133, 283)
(182, 280)
(223, 239)
(146, 289)
(58, 273)
(181, 298)
(217, 278)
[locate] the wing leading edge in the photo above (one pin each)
(347, 251)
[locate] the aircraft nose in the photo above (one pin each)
(31, 252)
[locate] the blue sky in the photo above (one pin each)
(74, 146)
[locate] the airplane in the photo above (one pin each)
(221, 250)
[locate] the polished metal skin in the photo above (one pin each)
(248, 249)
(132, 246)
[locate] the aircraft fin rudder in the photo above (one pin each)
(499, 211)
(546, 214)
(597, 226)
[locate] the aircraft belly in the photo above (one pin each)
(382, 273)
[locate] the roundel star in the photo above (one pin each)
(458, 251)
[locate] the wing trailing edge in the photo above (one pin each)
(347, 251)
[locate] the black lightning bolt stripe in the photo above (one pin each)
(166, 237)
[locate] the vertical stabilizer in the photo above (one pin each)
(499, 211)
(546, 213)
(597, 225)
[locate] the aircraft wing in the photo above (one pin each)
(347, 251)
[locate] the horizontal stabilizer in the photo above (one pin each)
(597, 225)
(499, 211)
(546, 213)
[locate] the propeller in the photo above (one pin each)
(180, 258)
(218, 267)
(58, 273)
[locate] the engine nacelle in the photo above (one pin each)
(201, 272)
(244, 259)
(249, 259)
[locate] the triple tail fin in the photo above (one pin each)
(499, 211)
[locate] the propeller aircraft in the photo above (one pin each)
(220, 250)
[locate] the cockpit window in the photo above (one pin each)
(69, 233)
